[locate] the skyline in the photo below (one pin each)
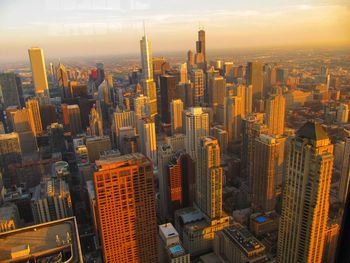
(92, 28)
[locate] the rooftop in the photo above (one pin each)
(168, 231)
(313, 131)
(45, 240)
(243, 238)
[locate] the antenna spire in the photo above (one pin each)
(144, 28)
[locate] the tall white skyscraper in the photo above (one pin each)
(305, 203)
(146, 58)
(197, 126)
(37, 62)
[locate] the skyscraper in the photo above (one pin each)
(122, 119)
(95, 122)
(264, 173)
(37, 62)
(254, 77)
(209, 178)
(176, 108)
(10, 152)
(305, 202)
(167, 94)
(345, 173)
(190, 58)
(274, 113)
(62, 79)
(74, 119)
(146, 58)
(200, 58)
(125, 197)
(142, 107)
(150, 91)
(165, 154)
(197, 126)
(51, 201)
(10, 94)
(233, 117)
(183, 73)
(197, 78)
(35, 118)
(147, 132)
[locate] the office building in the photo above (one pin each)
(200, 57)
(264, 173)
(74, 119)
(95, 121)
(167, 94)
(47, 115)
(62, 80)
(37, 62)
(149, 87)
(142, 107)
(97, 144)
(343, 113)
(331, 240)
(197, 126)
(221, 135)
(51, 201)
(176, 109)
(176, 141)
(56, 137)
(9, 218)
(56, 241)
(122, 119)
(209, 178)
(34, 116)
(274, 113)
(146, 58)
(345, 172)
(254, 77)
(305, 202)
(183, 73)
(128, 140)
(197, 79)
(125, 197)
(10, 90)
(233, 118)
(165, 154)
(23, 123)
(148, 139)
(170, 248)
(190, 59)
(236, 244)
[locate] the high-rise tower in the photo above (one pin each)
(197, 126)
(274, 113)
(209, 178)
(35, 118)
(37, 62)
(125, 198)
(305, 202)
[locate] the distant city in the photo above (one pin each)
(234, 156)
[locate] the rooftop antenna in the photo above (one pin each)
(144, 28)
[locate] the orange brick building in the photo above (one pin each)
(125, 199)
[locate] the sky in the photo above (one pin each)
(68, 28)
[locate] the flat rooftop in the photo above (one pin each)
(243, 238)
(44, 240)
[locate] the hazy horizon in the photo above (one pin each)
(103, 28)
